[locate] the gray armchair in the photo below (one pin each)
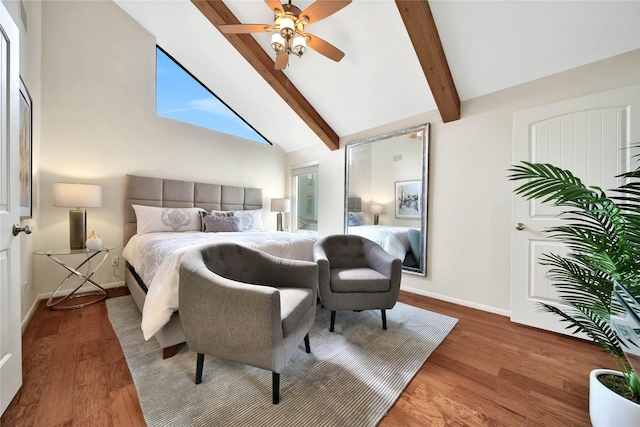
(355, 273)
(247, 306)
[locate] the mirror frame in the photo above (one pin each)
(422, 271)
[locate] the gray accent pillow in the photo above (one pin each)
(356, 218)
(216, 224)
(203, 214)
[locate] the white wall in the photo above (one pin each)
(469, 206)
(99, 124)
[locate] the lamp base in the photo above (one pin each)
(376, 218)
(77, 228)
(279, 221)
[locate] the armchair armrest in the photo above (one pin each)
(385, 264)
(282, 272)
(320, 257)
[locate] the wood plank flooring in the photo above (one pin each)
(488, 371)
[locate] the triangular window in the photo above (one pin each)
(180, 96)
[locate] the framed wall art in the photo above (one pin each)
(26, 185)
(408, 195)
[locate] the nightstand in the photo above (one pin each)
(89, 297)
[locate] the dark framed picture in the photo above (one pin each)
(26, 185)
(408, 199)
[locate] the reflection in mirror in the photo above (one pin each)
(386, 193)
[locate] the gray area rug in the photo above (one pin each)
(351, 378)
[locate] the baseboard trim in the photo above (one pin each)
(85, 288)
(40, 297)
(464, 303)
(29, 316)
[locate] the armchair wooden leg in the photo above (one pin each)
(199, 364)
(333, 321)
(307, 346)
(384, 319)
(276, 387)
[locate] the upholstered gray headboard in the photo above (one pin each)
(170, 193)
(354, 204)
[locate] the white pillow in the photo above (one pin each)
(250, 219)
(152, 219)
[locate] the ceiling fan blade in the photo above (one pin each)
(282, 59)
(245, 28)
(273, 5)
(324, 48)
(323, 8)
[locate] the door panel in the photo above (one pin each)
(588, 136)
(10, 339)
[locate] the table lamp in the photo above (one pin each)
(376, 210)
(77, 196)
(280, 206)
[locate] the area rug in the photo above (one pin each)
(352, 376)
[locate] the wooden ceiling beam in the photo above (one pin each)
(218, 14)
(423, 33)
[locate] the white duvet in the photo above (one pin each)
(393, 239)
(156, 258)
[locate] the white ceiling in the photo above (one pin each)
(490, 46)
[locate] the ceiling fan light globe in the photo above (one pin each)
(299, 45)
(287, 28)
(277, 42)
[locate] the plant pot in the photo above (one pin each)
(607, 408)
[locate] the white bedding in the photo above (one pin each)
(156, 258)
(394, 240)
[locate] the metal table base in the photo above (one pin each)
(93, 296)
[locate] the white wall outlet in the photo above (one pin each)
(115, 261)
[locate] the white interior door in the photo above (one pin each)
(10, 339)
(588, 136)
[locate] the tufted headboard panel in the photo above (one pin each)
(171, 193)
(354, 204)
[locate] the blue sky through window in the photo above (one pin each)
(180, 96)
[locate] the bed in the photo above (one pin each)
(155, 240)
(400, 242)
(393, 239)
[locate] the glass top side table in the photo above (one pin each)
(89, 297)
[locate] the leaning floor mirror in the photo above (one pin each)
(386, 179)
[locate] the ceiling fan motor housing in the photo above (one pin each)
(292, 12)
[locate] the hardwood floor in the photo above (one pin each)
(488, 371)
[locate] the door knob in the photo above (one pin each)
(17, 229)
(520, 226)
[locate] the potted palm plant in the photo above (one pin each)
(602, 233)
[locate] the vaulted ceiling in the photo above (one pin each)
(394, 66)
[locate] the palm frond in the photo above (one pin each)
(585, 320)
(602, 234)
(548, 182)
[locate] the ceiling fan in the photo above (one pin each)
(288, 29)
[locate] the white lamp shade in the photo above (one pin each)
(66, 194)
(280, 205)
(376, 209)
